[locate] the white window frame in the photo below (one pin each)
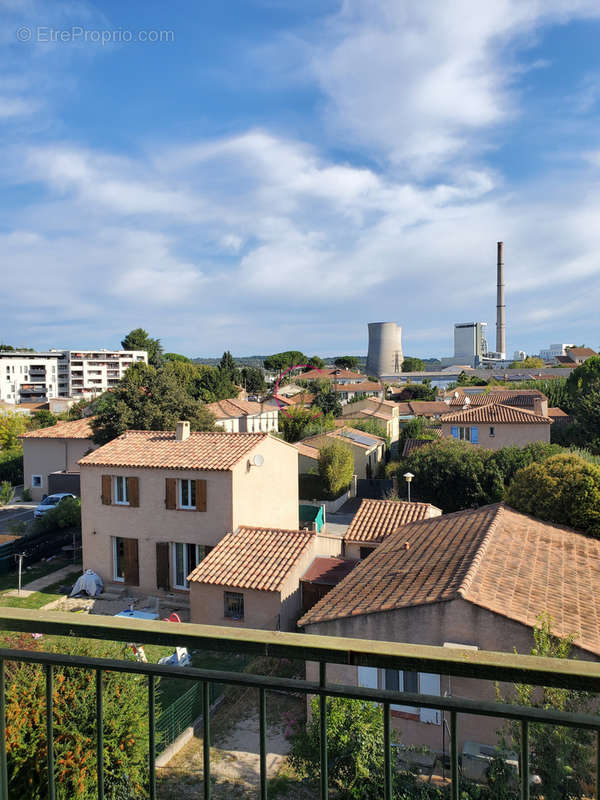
(189, 482)
(39, 479)
(116, 577)
(187, 567)
(427, 683)
(125, 501)
(464, 433)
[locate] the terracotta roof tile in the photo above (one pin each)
(365, 386)
(523, 398)
(76, 429)
(253, 558)
(410, 445)
(307, 450)
(509, 563)
(376, 519)
(232, 409)
(424, 408)
(497, 414)
(161, 450)
(328, 571)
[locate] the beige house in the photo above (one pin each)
(251, 579)
(50, 457)
(527, 399)
(367, 449)
(308, 458)
(495, 425)
(155, 502)
(377, 519)
(474, 580)
(385, 412)
(245, 416)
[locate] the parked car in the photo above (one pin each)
(49, 502)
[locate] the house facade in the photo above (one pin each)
(469, 580)
(245, 416)
(495, 426)
(154, 503)
(51, 456)
(367, 449)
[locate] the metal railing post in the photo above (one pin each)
(454, 772)
(3, 765)
(524, 761)
(387, 757)
(323, 731)
(262, 702)
(50, 731)
(99, 735)
(206, 742)
(151, 737)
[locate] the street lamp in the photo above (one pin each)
(409, 476)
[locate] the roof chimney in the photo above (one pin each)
(500, 307)
(182, 431)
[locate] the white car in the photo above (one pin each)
(50, 502)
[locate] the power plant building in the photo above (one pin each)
(385, 349)
(470, 344)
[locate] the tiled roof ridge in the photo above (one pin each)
(464, 587)
(195, 433)
(492, 408)
(271, 529)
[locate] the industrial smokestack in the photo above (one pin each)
(500, 307)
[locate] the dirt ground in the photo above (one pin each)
(111, 602)
(235, 769)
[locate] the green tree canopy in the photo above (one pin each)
(253, 379)
(347, 362)
(561, 756)
(12, 425)
(582, 376)
(278, 362)
(314, 362)
(564, 489)
(148, 399)
(336, 466)
(531, 362)
(294, 421)
(176, 357)
(417, 391)
(139, 339)
(326, 399)
(586, 413)
(43, 419)
(411, 364)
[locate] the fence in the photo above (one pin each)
(175, 718)
(568, 674)
(35, 546)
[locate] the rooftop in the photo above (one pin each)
(253, 558)
(494, 557)
(376, 519)
(328, 571)
(232, 409)
(497, 414)
(77, 429)
(345, 434)
(161, 450)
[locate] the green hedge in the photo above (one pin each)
(312, 487)
(11, 465)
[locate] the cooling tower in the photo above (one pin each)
(385, 349)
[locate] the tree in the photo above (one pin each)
(326, 400)
(253, 379)
(355, 748)
(12, 425)
(294, 421)
(336, 466)
(347, 362)
(314, 362)
(74, 712)
(561, 756)
(82, 408)
(227, 364)
(582, 376)
(67, 514)
(278, 362)
(138, 339)
(148, 399)
(564, 489)
(417, 391)
(510, 460)
(6, 493)
(586, 414)
(411, 364)
(176, 357)
(43, 419)
(531, 362)
(453, 475)
(470, 380)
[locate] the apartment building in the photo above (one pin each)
(38, 377)
(154, 503)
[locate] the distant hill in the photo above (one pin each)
(257, 361)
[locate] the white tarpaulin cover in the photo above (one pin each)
(89, 582)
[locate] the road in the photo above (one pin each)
(11, 514)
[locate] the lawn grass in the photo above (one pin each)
(10, 579)
(44, 596)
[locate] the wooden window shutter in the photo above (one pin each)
(171, 493)
(162, 566)
(200, 495)
(133, 492)
(131, 567)
(106, 490)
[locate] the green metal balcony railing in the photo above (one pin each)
(569, 674)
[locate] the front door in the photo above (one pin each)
(131, 569)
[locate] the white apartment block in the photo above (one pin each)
(38, 377)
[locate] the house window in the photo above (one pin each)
(492, 431)
(185, 558)
(119, 559)
(234, 605)
(36, 481)
(121, 490)
(464, 434)
(187, 494)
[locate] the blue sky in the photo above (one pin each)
(277, 174)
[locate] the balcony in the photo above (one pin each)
(571, 674)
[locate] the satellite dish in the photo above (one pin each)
(258, 460)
